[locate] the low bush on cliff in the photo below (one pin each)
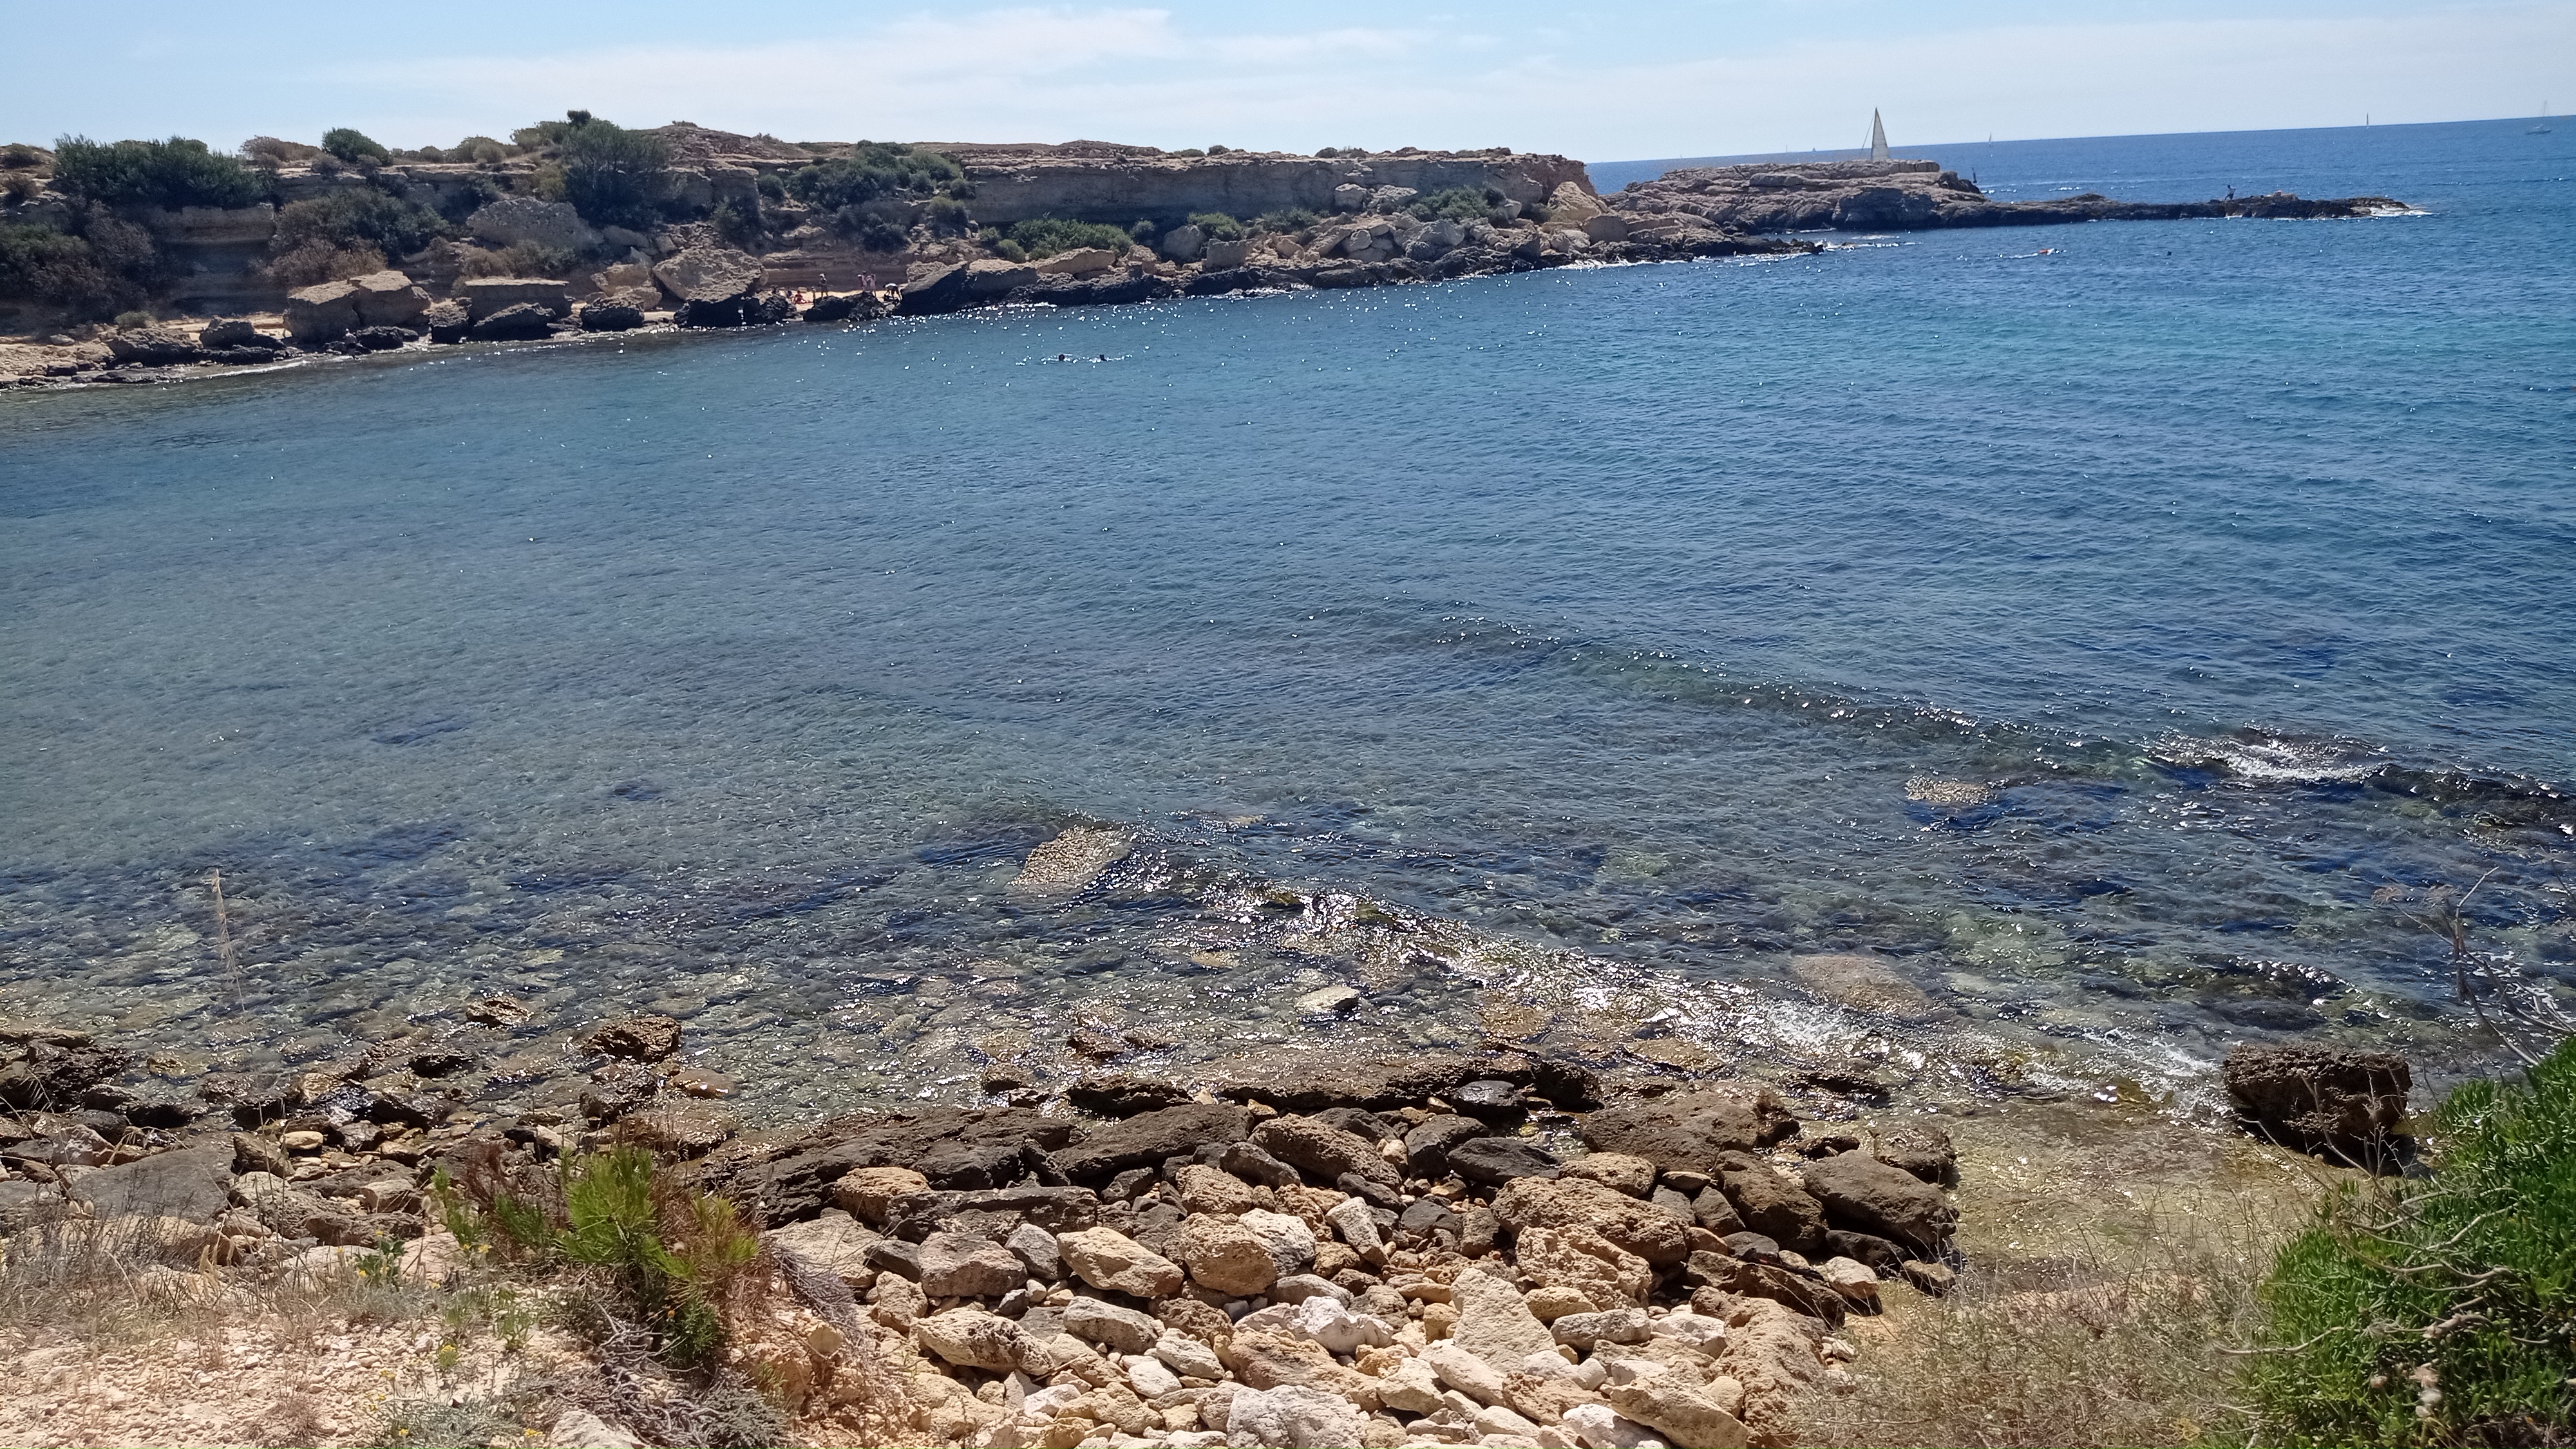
(109, 267)
(2440, 1311)
(1458, 203)
(358, 216)
(354, 146)
(1217, 225)
(869, 170)
(173, 173)
(1044, 236)
(1286, 219)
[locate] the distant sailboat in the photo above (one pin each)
(1877, 136)
(2542, 129)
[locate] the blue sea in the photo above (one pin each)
(2137, 636)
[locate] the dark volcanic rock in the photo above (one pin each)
(1772, 1205)
(48, 1078)
(641, 1038)
(518, 322)
(153, 346)
(2343, 1104)
(1324, 1152)
(992, 1214)
(1427, 1146)
(1493, 1161)
(1123, 1094)
(1862, 1194)
(1146, 1140)
(1689, 1131)
(610, 317)
(1297, 1082)
(956, 1148)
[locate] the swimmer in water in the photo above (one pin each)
(1064, 357)
(1104, 357)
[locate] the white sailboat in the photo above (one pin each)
(2541, 129)
(1877, 136)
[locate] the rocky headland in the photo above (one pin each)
(489, 242)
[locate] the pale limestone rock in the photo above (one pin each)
(1493, 1322)
(1108, 1259)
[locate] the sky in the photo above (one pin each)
(1600, 83)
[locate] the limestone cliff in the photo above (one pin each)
(1913, 196)
(1094, 181)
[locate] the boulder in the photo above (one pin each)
(1293, 1416)
(992, 1213)
(388, 299)
(973, 1338)
(957, 1148)
(448, 322)
(1494, 1323)
(485, 296)
(1149, 1139)
(932, 289)
(1571, 204)
(1122, 1329)
(995, 277)
(1583, 1260)
(1585, 1331)
(1688, 1418)
(833, 1242)
(1771, 1204)
(1688, 1131)
(1921, 1149)
(708, 275)
(1285, 1236)
(611, 317)
(1634, 1176)
(1205, 1189)
(235, 332)
(153, 346)
(1607, 227)
(520, 323)
(1264, 1358)
(954, 1265)
(1080, 262)
(1183, 243)
(1854, 1280)
(377, 339)
(1426, 1147)
(1108, 1259)
(2342, 1104)
(1350, 198)
(1598, 1426)
(1493, 1161)
(190, 1183)
(1640, 1228)
(1863, 1194)
(1325, 1152)
(515, 219)
(320, 313)
(866, 1192)
(1225, 255)
(1225, 1256)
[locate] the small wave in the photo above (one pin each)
(2262, 758)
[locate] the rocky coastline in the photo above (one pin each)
(1494, 1246)
(736, 247)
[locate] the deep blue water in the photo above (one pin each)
(2124, 640)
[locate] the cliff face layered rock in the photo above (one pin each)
(1914, 196)
(1089, 181)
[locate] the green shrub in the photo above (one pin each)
(946, 215)
(18, 155)
(1287, 219)
(1329, 152)
(1192, 152)
(873, 169)
(359, 216)
(480, 150)
(21, 186)
(1218, 150)
(1010, 251)
(1044, 236)
(441, 1421)
(110, 268)
(1142, 231)
(270, 152)
(354, 146)
(136, 318)
(611, 175)
(770, 187)
(173, 173)
(1217, 225)
(738, 223)
(1458, 203)
(320, 261)
(2440, 1311)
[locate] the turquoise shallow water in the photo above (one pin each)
(2121, 639)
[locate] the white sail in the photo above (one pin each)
(1877, 137)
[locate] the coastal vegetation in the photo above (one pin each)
(354, 146)
(2443, 1309)
(174, 173)
(1045, 236)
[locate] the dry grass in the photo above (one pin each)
(2112, 1259)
